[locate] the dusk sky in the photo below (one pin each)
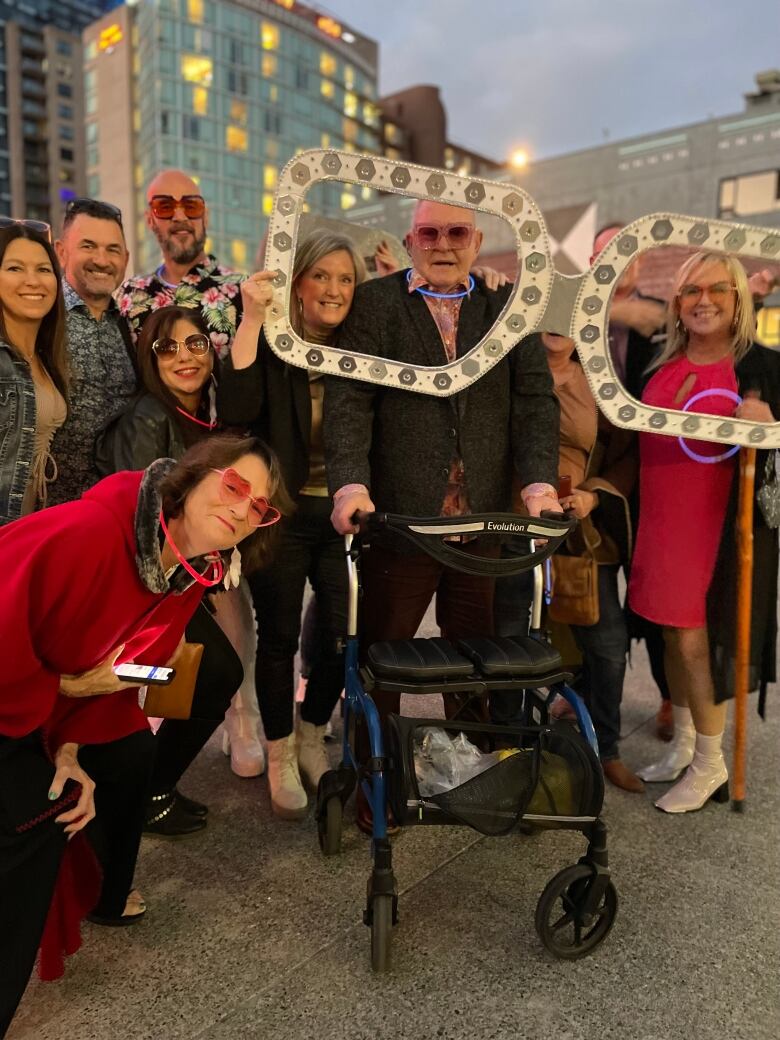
(557, 75)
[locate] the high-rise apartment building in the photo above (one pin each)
(228, 91)
(41, 104)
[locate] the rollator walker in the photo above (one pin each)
(543, 774)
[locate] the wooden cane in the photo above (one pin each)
(744, 533)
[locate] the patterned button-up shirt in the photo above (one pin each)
(446, 314)
(212, 288)
(102, 381)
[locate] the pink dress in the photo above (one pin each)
(682, 503)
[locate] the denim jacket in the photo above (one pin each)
(17, 432)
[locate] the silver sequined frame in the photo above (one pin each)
(540, 298)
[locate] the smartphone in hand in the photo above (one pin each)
(144, 674)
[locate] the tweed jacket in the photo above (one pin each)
(400, 444)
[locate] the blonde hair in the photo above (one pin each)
(311, 250)
(744, 327)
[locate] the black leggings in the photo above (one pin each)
(179, 741)
(309, 548)
(30, 860)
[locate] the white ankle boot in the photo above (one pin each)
(240, 740)
(288, 798)
(676, 759)
(678, 755)
(706, 777)
(312, 757)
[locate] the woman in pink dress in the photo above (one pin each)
(682, 509)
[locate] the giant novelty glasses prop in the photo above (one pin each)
(541, 298)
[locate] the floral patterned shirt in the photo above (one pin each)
(210, 286)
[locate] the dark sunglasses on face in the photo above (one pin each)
(456, 236)
(164, 206)
(233, 490)
(93, 208)
(196, 344)
(40, 226)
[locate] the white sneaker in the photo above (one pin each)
(288, 798)
(241, 742)
(700, 783)
(312, 757)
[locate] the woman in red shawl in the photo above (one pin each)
(112, 577)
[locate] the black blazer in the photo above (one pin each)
(400, 444)
(271, 398)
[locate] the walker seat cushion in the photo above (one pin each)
(518, 657)
(425, 659)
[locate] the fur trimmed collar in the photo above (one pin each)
(148, 558)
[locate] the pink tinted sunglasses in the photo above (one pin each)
(234, 490)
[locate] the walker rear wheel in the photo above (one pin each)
(329, 827)
(563, 924)
(381, 927)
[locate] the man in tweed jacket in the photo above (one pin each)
(403, 452)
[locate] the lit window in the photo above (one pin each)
(269, 66)
(349, 129)
(349, 77)
(196, 68)
(370, 114)
(238, 112)
(200, 101)
(270, 177)
(286, 4)
(236, 139)
(348, 200)
(238, 252)
(327, 64)
(109, 38)
(366, 192)
(350, 104)
(325, 141)
(273, 94)
(329, 25)
(92, 50)
(195, 11)
(268, 205)
(327, 89)
(269, 36)
(136, 120)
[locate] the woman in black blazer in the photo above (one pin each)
(283, 405)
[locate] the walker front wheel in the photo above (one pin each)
(329, 827)
(381, 932)
(567, 929)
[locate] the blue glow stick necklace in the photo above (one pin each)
(443, 295)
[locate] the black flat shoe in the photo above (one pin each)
(116, 922)
(168, 818)
(193, 808)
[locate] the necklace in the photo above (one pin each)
(443, 295)
(201, 579)
(192, 418)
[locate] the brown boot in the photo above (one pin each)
(621, 776)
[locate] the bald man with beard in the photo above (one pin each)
(177, 216)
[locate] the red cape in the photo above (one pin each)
(72, 595)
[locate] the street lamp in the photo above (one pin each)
(519, 158)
